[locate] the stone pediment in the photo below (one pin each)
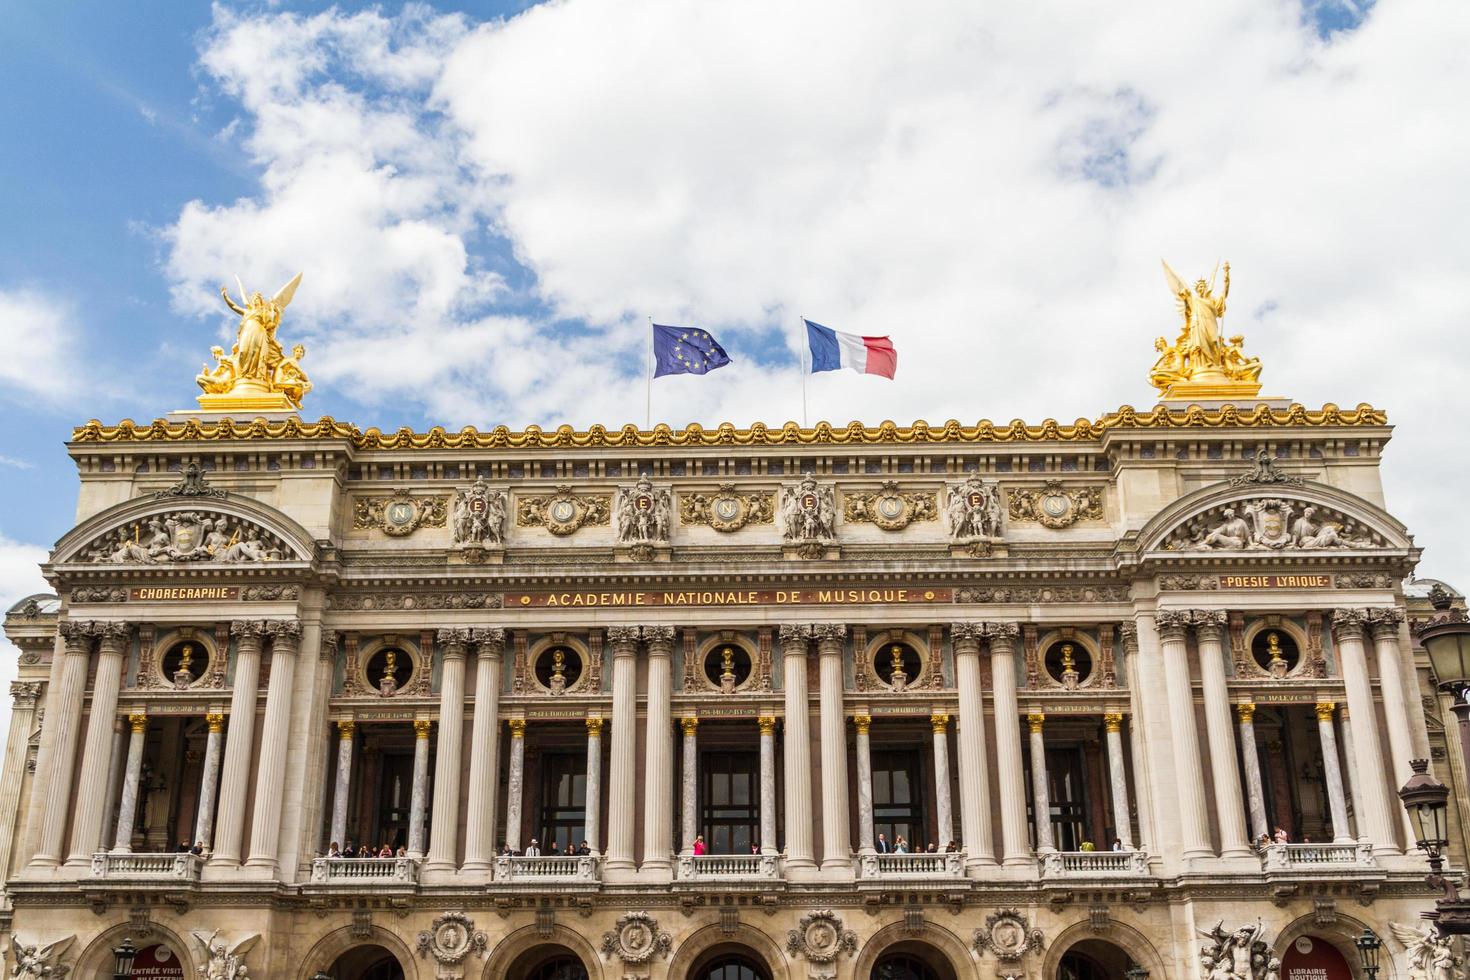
(176, 532)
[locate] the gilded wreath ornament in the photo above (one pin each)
(889, 507)
(399, 514)
(1055, 506)
(727, 509)
(563, 511)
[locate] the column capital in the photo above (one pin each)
(345, 728)
(1209, 623)
(966, 632)
(689, 726)
(1349, 622)
(421, 728)
(939, 723)
(112, 637)
(594, 727)
(1325, 710)
(1129, 632)
(1385, 622)
(829, 635)
(138, 723)
(766, 724)
(216, 722)
(1245, 711)
(489, 641)
(76, 632)
(285, 635)
(794, 635)
(453, 639)
(859, 722)
(243, 628)
(1113, 721)
(25, 693)
(331, 642)
(1036, 721)
(1173, 623)
(624, 640)
(517, 727)
(659, 639)
(1004, 631)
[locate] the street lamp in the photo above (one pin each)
(1368, 946)
(1427, 801)
(1446, 638)
(122, 959)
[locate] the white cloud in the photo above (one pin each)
(16, 464)
(20, 576)
(45, 360)
(991, 185)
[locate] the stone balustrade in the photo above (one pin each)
(1094, 864)
(581, 869)
(730, 867)
(146, 867)
(948, 864)
(364, 871)
(1317, 857)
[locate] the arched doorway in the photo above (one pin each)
(729, 966)
(1094, 959)
(548, 962)
(1314, 958)
(911, 961)
(368, 962)
(159, 960)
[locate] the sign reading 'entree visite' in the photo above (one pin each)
(730, 597)
(1275, 581)
(183, 593)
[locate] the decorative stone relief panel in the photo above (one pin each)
(809, 516)
(451, 938)
(889, 507)
(1271, 524)
(400, 514)
(727, 509)
(186, 536)
(635, 939)
(820, 939)
(562, 512)
(1054, 505)
(1008, 936)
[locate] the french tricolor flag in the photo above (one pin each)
(832, 349)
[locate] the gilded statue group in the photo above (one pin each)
(257, 365)
(1200, 354)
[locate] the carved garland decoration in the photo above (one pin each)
(889, 507)
(727, 509)
(562, 512)
(400, 514)
(1055, 506)
(635, 938)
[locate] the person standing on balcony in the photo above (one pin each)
(699, 846)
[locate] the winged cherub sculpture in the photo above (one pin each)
(256, 373)
(223, 962)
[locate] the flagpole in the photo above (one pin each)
(648, 402)
(801, 347)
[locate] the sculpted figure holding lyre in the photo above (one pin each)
(1201, 357)
(256, 373)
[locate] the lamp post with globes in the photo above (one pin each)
(1427, 800)
(1446, 638)
(1368, 945)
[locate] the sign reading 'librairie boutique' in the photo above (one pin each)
(730, 597)
(1275, 581)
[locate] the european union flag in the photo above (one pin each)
(685, 350)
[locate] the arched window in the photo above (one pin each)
(732, 967)
(903, 966)
(559, 968)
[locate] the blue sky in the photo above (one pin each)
(488, 201)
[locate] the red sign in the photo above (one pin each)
(158, 961)
(1310, 958)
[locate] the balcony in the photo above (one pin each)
(384, 874)
(923, 866)
(155, 869)
(1089, 865)
(551, 869)
(1323, 858)
(730, 867)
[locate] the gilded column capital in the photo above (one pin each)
(860, 722)
(453, 639)
(215, 721)
(1129, 632)
(939, 723)
(624, 640)
(1113, 721)
(794, 635)
(1246, 712)
(689, 726)
(138, 723)
(489, 641)
(1325, 710)
(766, 724)
(1349, 622)
(660, 640)
(517, 727)
(1173, 624)
(966, 632)
(345, 729)
(421, 727)
(594, 727)
(1385, 622)
(243, 628)
(1036, 721)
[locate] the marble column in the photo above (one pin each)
(86, 827)
(797, 744)
(448, 760)
(945, 817)
(767, 725)
(419, 802)
(1118, 779)
(63, 719)
(514, 784)
(114, 778)
(479, 842)
(234, 786)
(860, 724)
(1350, 779)
(592, 821)
(1194, 821)
(1255, 789)
(214, 744)
(658, 770)
(1385, 626)
(1009, 762)
(24, 695)
(343, 790)
(270, 781)
(127, 808)
(1040, 788)
(1336, 798)
(690, 784)
(623, 776)
(1229, 807)
(836, 821)
(1375, 820)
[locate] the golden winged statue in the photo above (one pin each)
(1202, 363)
(256, 375)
